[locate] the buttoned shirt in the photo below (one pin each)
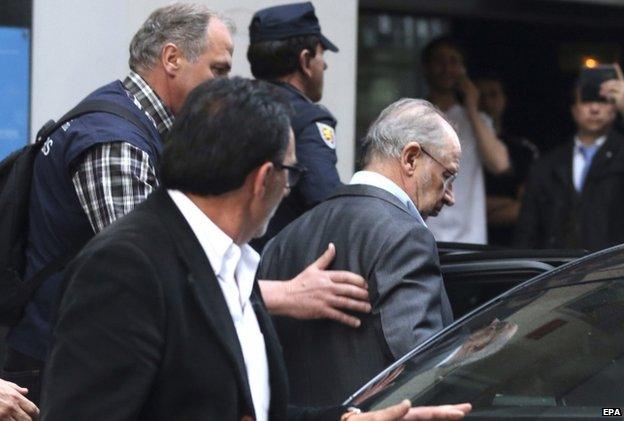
(235, 268)
(578, 160)
(375, 179)
(111, 178)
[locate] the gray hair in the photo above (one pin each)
(406, 120)
(183, 24)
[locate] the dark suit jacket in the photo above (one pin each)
(555, 215)
(144, 332)
(376, 237)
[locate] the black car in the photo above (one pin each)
(474, 274)
(550, 348)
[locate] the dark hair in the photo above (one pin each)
(226, 128)
(433, 45)
(574, 91)
(273, 59)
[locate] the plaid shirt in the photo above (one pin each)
(112, 178)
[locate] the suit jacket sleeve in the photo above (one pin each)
(528, 228)
(107, 339)
(410, 288)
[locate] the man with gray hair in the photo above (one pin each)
(411, 157)
(100, 165)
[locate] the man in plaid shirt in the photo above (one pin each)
(99, 167)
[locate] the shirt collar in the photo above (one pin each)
(149, 100)
(218, 246)
(375, 179)
(597, 143)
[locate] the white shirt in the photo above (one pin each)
(465, 221)
(578, 160)
(374, 179)
(235, 268)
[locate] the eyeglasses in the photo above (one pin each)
(294, 173)
(450, 175)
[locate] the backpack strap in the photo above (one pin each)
(34, 283)
(85, 107)
(88, 107)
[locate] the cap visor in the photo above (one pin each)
(327, 44)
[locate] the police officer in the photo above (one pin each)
(286, 48)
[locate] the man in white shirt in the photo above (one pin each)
(162, 318)
(443, 63)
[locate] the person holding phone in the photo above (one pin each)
(456, 95)
(613, 90)
(571, 199)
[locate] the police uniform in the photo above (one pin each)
(315, 145)
(313, 125)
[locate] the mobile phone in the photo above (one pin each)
(591, 78)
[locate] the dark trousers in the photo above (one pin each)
(24, 371)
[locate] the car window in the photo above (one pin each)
(547, 348)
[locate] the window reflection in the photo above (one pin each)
(549, 349)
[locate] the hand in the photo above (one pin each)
(613, 90)
(317, 293)
(13, 404)
(442, 412)
(470, 92)
(403, 412)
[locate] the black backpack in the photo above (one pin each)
(16, 173)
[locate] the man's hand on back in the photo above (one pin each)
(317, 293)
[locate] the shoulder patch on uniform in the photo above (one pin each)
(327, 134)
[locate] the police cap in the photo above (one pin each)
(289, 20)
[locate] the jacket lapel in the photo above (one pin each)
(600, 165)
(205, 289)
(278, 379)
(209, 297)
(562, 169)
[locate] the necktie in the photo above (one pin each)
(588, 153)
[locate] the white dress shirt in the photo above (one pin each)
(235, 268)
(375, 179)
(578, 160)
